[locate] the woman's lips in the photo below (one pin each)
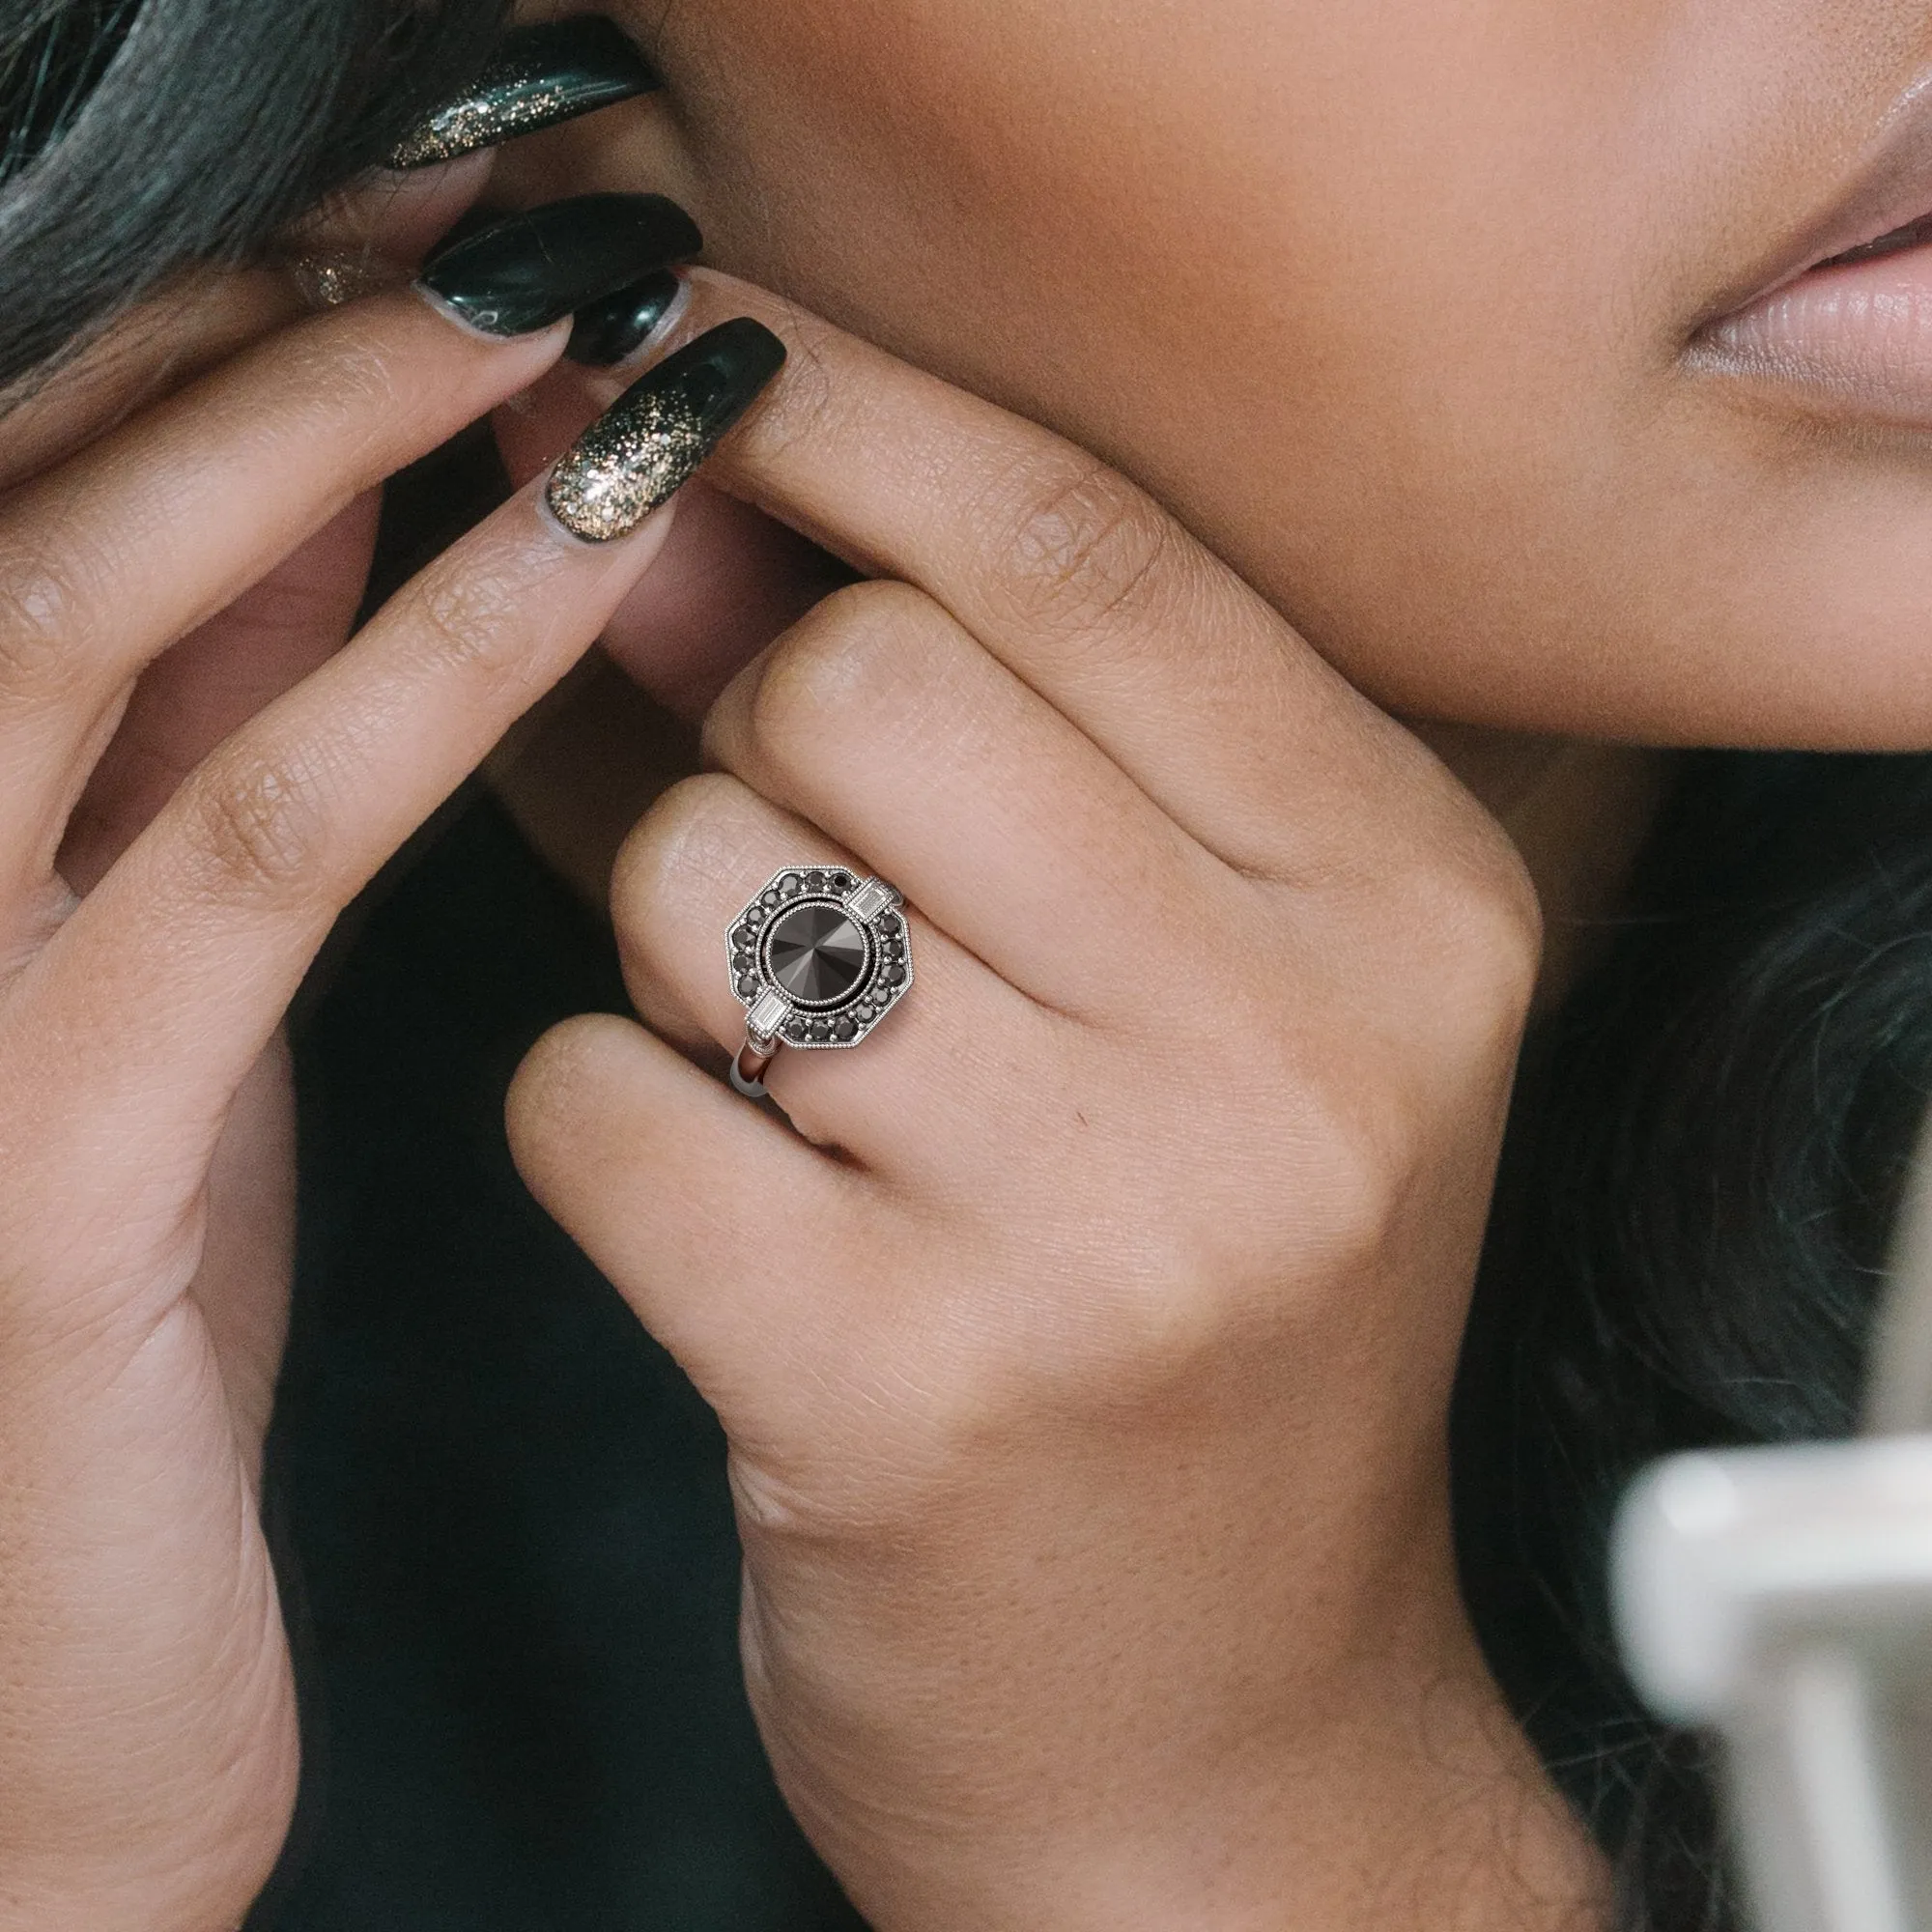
(1843, 309)
(1856, 330)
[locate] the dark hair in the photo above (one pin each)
(1708, 1140)
(1703, 1163)
(140, 136)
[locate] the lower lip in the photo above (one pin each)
(1858, 334)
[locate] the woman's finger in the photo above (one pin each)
(216, 678)
(358, 240)
(878, 719)
(936, 1077)
(162, 346)
(1083, 586)
(108, 560)
(634, 1152)
(161, 990)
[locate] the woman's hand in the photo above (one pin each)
(1086, 1350)
(195, 778)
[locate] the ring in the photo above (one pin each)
(818, 958)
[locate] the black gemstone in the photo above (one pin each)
(843, 882)
(755, 917)
(790, 885)
(889, 922)
(894, 975)
(797, 1029)
(816, 953)
(845, 1030)
(747, 988)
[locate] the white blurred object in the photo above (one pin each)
(1783, 1597)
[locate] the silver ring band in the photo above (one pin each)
(817, 958)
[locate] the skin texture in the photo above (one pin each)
(1088, 1452)
(1397, 309)
(1076, 1266)
(1388, 303)
(199, 777)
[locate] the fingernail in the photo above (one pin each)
(635, 456)
(612, 331)
(530, 270)
(539, 76)
(330, 280)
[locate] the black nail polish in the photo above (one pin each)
(649, 441)
(539, 76)
(608, 331)
(529, 270)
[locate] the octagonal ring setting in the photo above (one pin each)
(817, 958)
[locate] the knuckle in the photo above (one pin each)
(470, 619)
(1509, 918)
(695, 832)
(1082, 546)
(1480, 912)
(46, 624)
(258, 828)
(1350, 1172)
(1351, 1188)
(1302, 1096)
(545, 1108)
(841, 663)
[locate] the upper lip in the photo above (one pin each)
(1890, 190)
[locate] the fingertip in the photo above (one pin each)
(395, 215)
(606, 1123)
(563, 1081)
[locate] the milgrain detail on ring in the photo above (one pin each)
(648, 443)
(539, 76)
(819, 957)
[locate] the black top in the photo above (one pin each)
(512, 1574)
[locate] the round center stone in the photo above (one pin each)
(816, 954)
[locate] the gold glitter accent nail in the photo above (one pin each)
(511, 108)
(625, 464)
(637, 453)
(327, 281)
(539, 76)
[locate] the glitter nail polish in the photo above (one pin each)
(635, 456)
(536, 79)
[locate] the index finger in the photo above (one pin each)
(359, 240)
(1072, 576)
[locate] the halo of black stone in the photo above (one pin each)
(883, 985)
